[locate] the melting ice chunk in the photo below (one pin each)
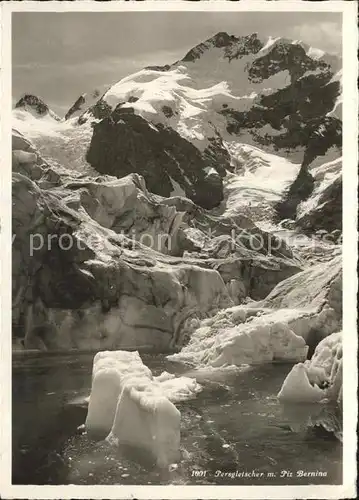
(297, 386)
(147, 420)
(319, 378)
(131, 407)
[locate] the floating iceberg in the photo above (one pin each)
(132, 407)
(317, 379)
(145, 419)
(111, 371)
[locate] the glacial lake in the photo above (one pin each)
(235, 425)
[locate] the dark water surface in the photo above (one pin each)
(235, 425)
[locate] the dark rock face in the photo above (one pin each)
(166, 67)
(234, 47)
(98, 111)
(217, 155)
(124, 143)
(323, 133)
(328, 213)
(299, 191)
(83, 103)
(297, 113)
(30, 100)
(242, 46)
(75, 107)
(167, 111)
(36, 105)
(284, 56)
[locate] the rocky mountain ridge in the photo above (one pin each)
(287, 101)
(284, 102)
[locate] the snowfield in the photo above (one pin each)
(259, 180)
(168, 97)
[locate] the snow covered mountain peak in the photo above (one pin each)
(283, 52)
(274, 93)
(35, 106)
(234, 47)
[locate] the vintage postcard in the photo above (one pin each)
(179, 246)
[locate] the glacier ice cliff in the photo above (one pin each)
(84, 278)
(298, 312)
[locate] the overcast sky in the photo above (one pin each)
(58, 56)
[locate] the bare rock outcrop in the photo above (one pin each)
(124, 142)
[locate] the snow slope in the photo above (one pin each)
(62, 143)
(168, 97)
(199, 95)
(259, 180)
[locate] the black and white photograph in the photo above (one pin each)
(178, 224)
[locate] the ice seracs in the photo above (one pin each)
(243, 335)
(179, 127)
(299, 312)
(258, 181)
(132, 407)
(297, 387)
